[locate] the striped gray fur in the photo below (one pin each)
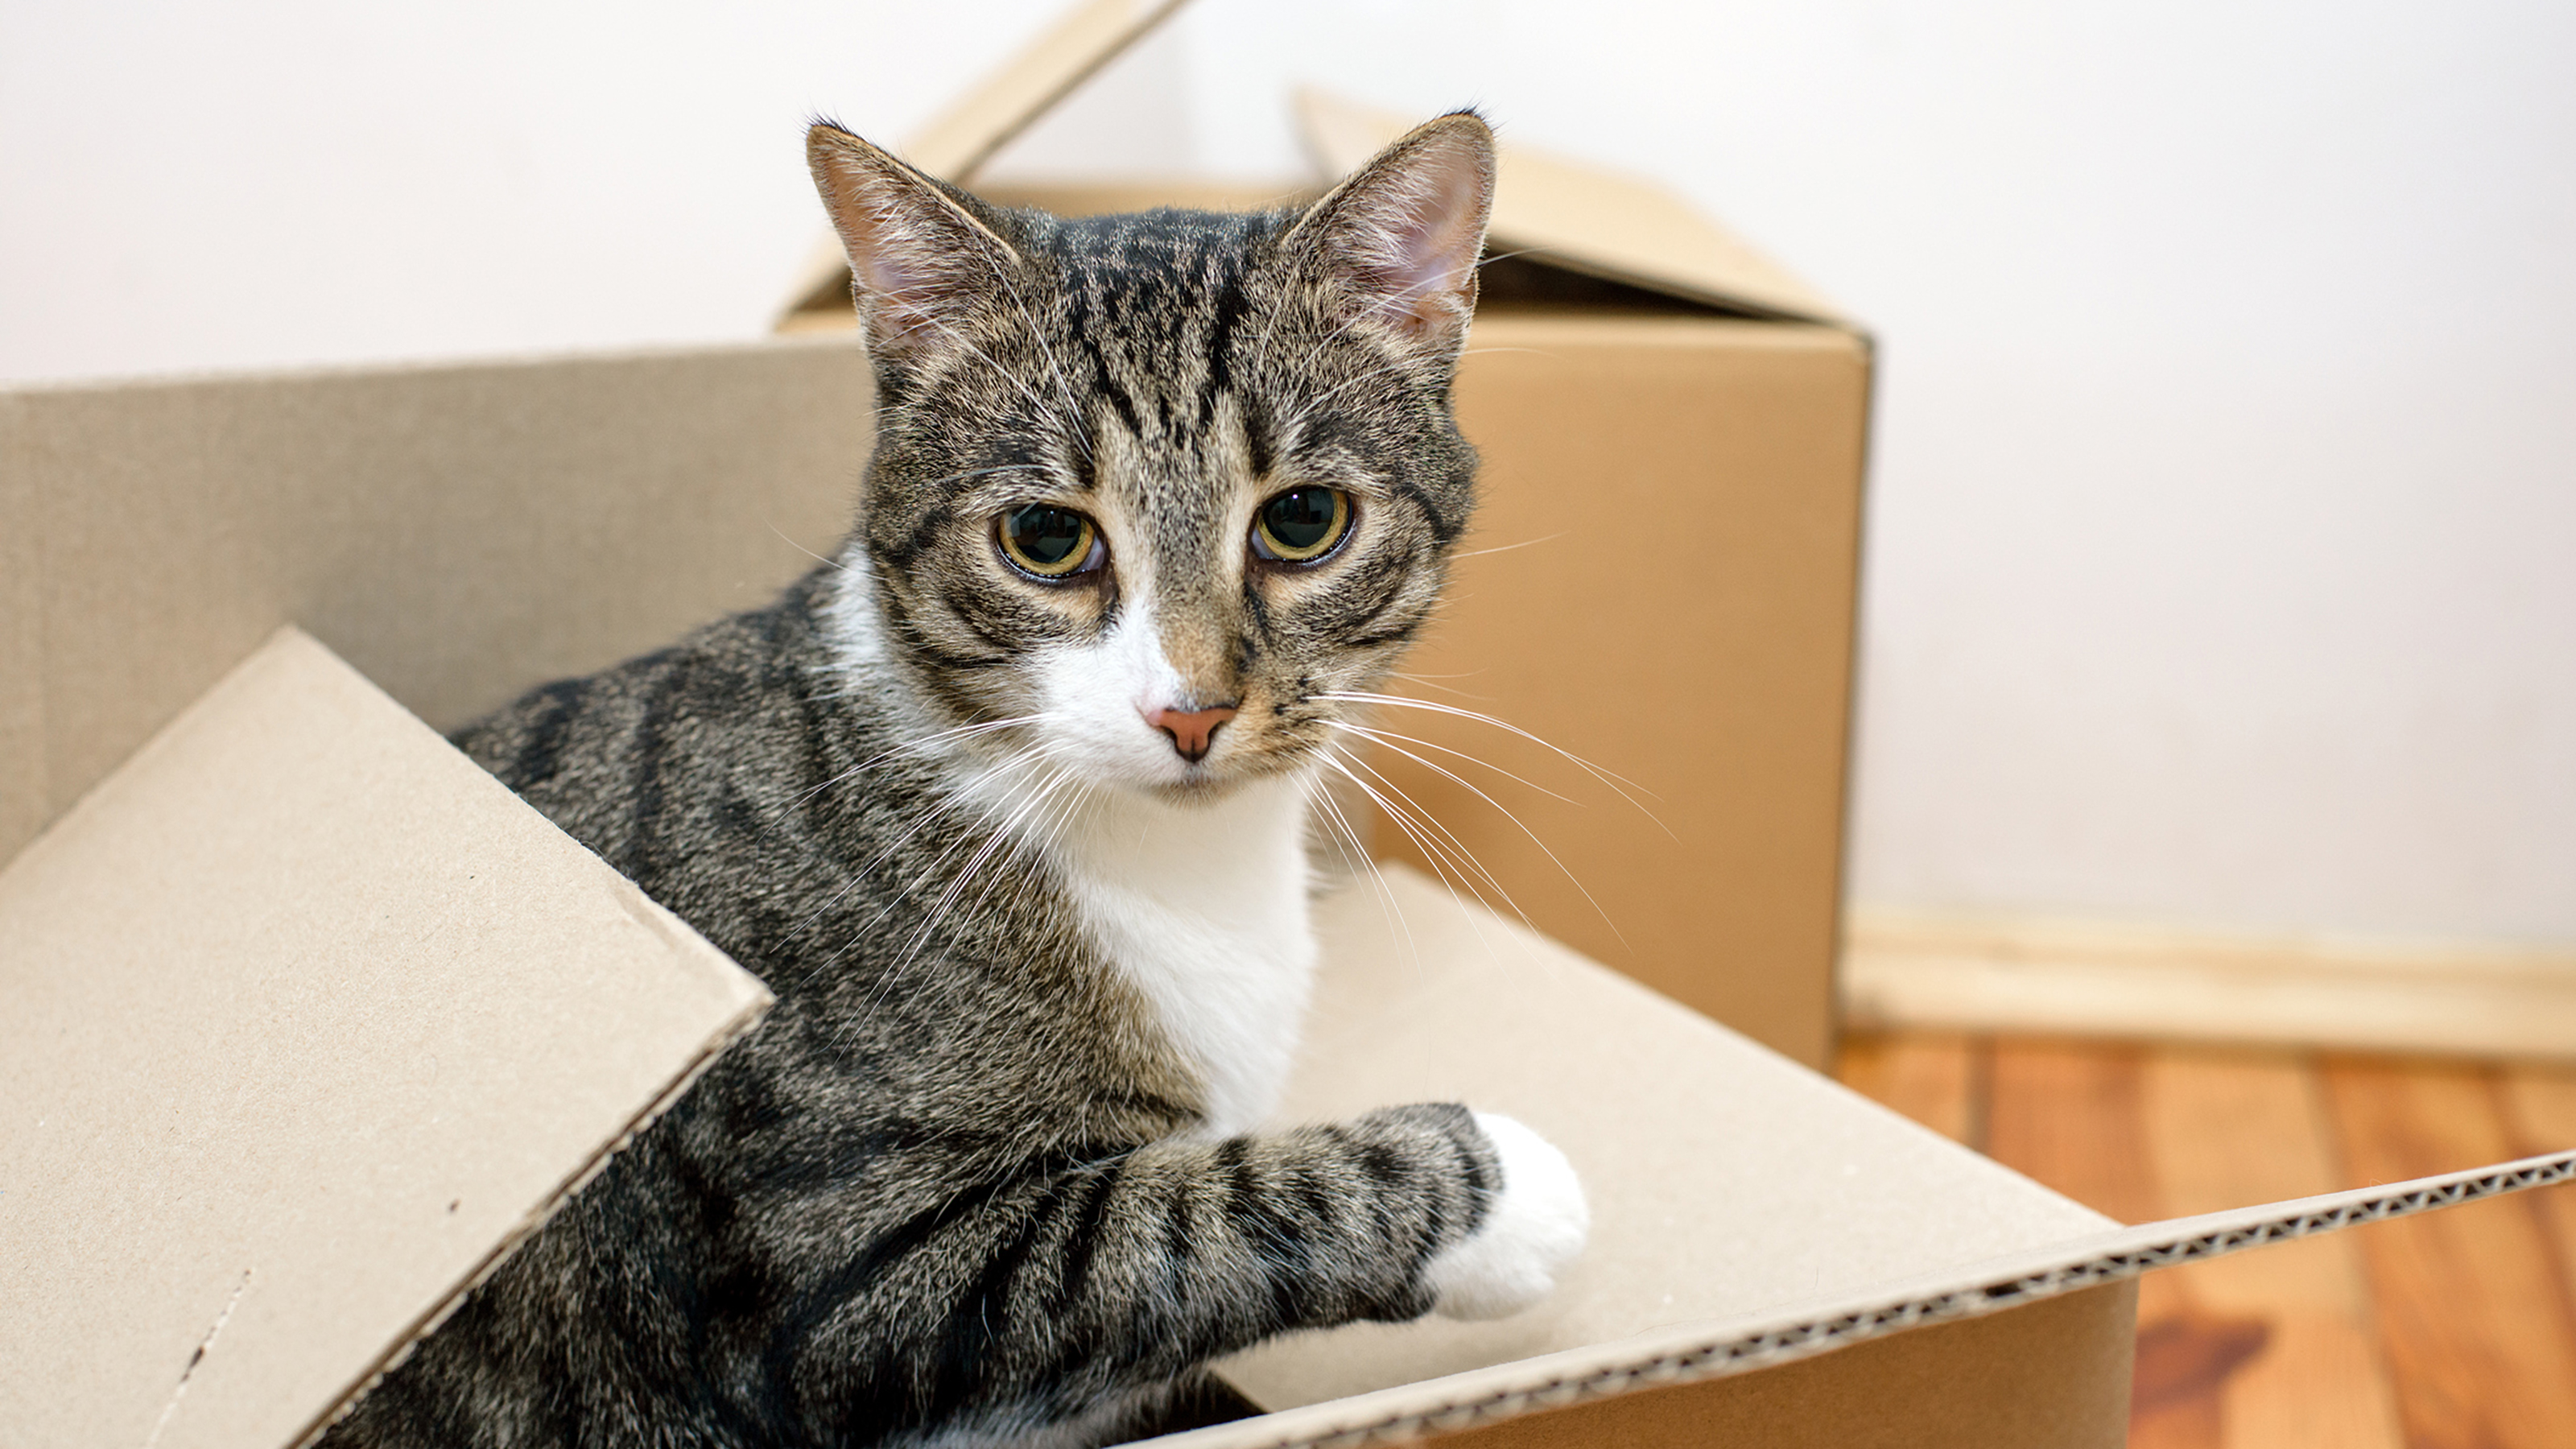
(964, 1185)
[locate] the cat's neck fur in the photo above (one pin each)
(1202, 907)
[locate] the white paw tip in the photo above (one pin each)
(1535, 1226)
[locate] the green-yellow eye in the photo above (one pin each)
(1301, 525)
(1050, 542)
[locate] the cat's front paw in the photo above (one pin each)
(1533, 1227)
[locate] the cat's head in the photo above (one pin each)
(1158, 487)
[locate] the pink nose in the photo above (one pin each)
(1192, 731)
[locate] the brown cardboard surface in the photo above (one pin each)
(1725, 1180)
(22, 718)
(1660, 580)
(1589, 220)
(2054, 1375)
(459, 533)
(307, 1018)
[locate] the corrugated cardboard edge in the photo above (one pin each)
(734, 1030)
(1686, 1353)
(977, 125)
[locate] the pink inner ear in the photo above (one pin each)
(888, 253)
(912, 260)
(1413, 242)
(895, 261)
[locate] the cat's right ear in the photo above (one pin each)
(921, 263)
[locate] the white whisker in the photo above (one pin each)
(1019, 794)
(1355, 855)
(1408, 818)
(1431, 851)
(927, 742)
(1458, 849)
(1615, 782)
(1507, 547)
(1372, 732)
(942, 805)
(1507, 815)
(800, 548)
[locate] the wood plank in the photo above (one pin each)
(2186, 1357)
(2230, 1130)
(1935, 1078)
(2070, 1115)
(2540, 1116)
(2471, 1310)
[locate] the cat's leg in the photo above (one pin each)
(1064, 1297)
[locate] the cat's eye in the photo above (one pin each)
(1050, 542)
(1301, 525)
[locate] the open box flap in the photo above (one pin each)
(1037, 78)
(1582, 219)
(1031, 83)
(309, 1020)
(1559, 213)
(1689, 1352)
(1746, 1212)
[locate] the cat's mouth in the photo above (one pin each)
(1210, 778)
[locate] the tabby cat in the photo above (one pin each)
(1010, 805)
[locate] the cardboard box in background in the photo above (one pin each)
(449, 529)
(1660, 583)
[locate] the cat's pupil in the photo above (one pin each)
(1046, 536)
(1301, 519)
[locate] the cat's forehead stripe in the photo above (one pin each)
(1171, 283)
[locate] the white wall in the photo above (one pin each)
(189, 186)
(2226, 480)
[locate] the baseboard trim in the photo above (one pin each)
(2008, 974)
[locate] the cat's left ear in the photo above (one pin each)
(922, 262)
(1402, 235)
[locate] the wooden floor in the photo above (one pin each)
(2456, 1330)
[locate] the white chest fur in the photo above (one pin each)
(1205, 911)
(1203, 908)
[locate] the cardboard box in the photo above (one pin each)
(304, 1021)
(310, 1021)
(1661, 580)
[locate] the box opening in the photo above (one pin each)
(1526, 284)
